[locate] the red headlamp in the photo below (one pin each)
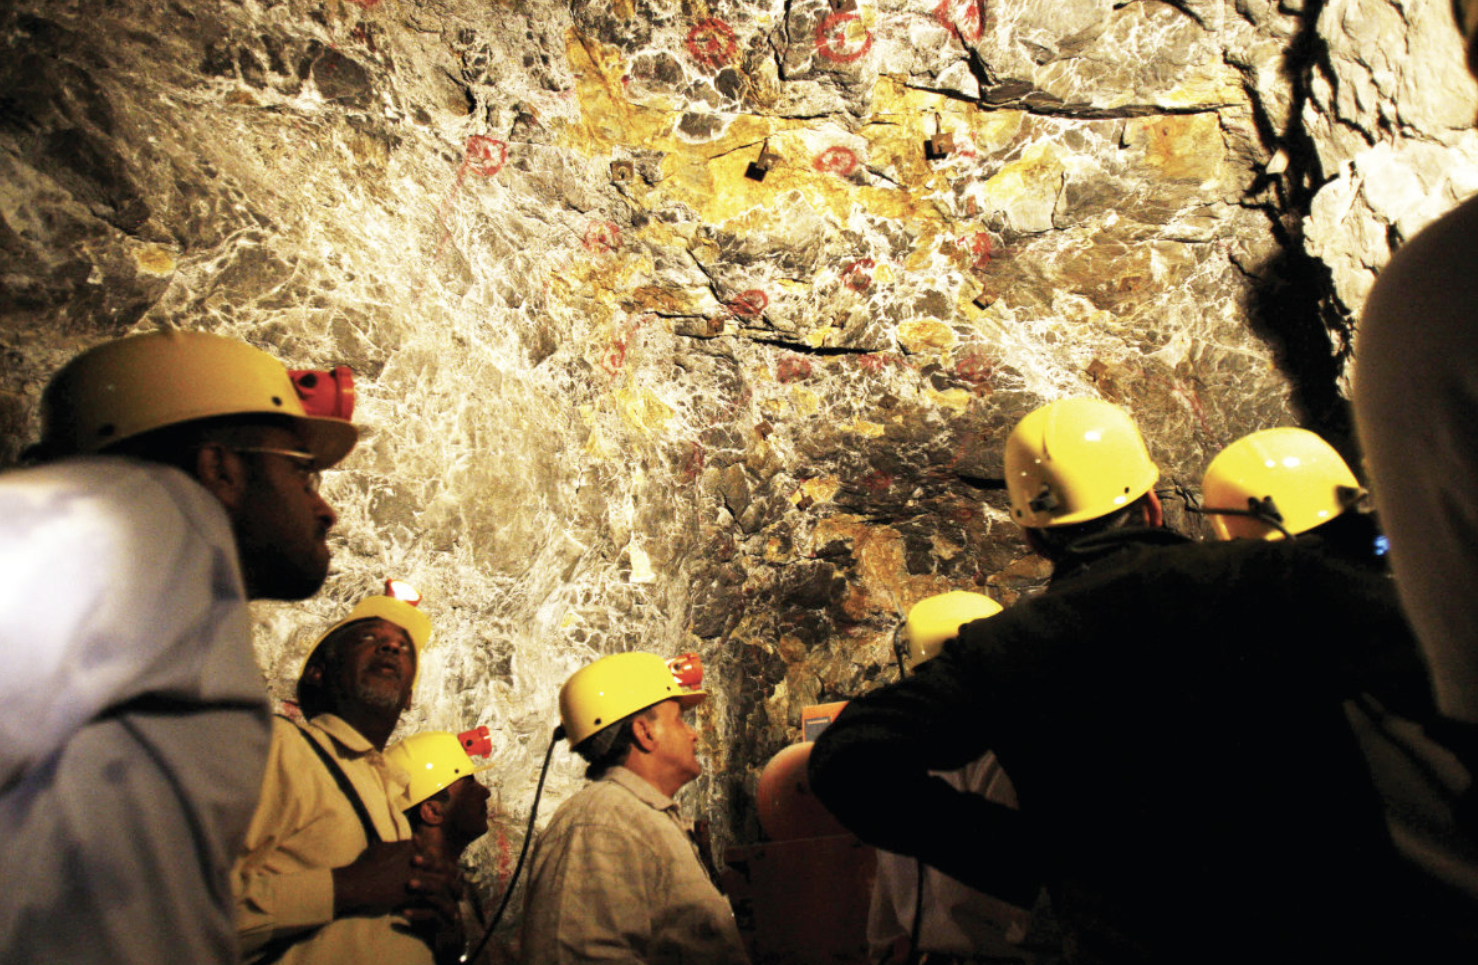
(402, 591)
(328, 394)
(476, 742)
(687, 669)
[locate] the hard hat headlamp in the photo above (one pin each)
(402, 591)
(327, 394)
(477, 742)
(687, 669)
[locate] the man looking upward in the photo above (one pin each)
(616, 875)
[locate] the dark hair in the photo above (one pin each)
(1053, 542)
(609, 746)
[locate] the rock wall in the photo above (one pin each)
(623, 384)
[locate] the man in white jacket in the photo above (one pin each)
(177, 479)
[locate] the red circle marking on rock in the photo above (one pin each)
(749, 304)
(711, 42)
(485, 155)
(836, 41)
(602, 237)
(836, 160)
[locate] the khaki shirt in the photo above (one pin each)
(305, 827)
(617, 878)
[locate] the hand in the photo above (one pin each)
(378, 882)
(436, 888)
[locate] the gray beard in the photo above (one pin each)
(378, 693)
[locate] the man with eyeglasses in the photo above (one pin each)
(175, 480)
(329, 871)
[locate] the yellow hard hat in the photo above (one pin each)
(1276, 480)
(405, 615)
(938, 618)
(1074, 460)
(434, 760)
(602, 693)
(133, 385)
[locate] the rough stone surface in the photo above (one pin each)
(621, 388)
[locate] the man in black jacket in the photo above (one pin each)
(1170, 714)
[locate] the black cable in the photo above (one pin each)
(528, 837)
(1264, 511)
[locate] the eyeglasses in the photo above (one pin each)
(306, 465)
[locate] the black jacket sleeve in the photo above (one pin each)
(871, 768)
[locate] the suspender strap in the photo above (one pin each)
(342, 780)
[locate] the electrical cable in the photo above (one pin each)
(528, 837)
(1264, 511)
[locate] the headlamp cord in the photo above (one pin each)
(528, 838)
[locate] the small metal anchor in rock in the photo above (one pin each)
(941, 144)
(762, 165)
(622, 170)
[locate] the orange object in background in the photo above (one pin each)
(801, 898)
(802, 902)
(787, 808)
(815, 717)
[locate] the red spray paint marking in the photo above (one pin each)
(835, 41)
(961, 18)
(749, 304)
(792, 369)
(615, 358)
(977, 369)
(483, 156)
(365, 4)
(1190, 397)
(873, 362)
(858, 275)
(711, 42)
(979, 245)
(602, 237)
(502, 869)
(836, 160)
(693, 460)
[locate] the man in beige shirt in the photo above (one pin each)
(616, 875)
(329, 872)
